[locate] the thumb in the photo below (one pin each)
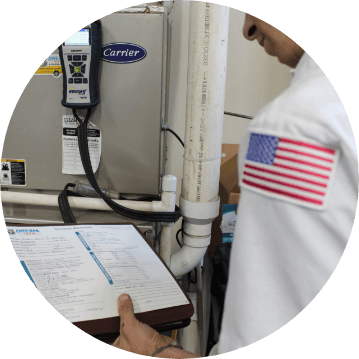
(125, 310)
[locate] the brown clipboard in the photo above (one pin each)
(173, 317)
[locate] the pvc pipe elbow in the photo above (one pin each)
(186, 259)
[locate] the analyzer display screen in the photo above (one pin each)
(81, 38)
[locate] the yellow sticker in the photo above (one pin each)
(51, 66)
(6, 160)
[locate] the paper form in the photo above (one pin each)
(82, 269)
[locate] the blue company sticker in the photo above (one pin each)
(229, 219)
(122, 53)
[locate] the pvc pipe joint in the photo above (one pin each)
(169, 183)
(199, 212)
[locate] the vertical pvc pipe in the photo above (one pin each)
(168, 202)
(165, 243)
(206, 78)
(208, 43)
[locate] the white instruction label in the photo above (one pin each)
(71, 160)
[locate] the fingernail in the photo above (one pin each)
(123, 297)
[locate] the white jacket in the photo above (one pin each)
(299, 186)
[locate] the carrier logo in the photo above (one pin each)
(80, 92)
(122, 53)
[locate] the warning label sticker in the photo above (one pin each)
(13, 172)
(51, 66)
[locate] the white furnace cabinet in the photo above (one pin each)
(132, 105)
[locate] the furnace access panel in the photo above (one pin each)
(126, 132)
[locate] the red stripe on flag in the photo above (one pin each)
(308, 145)
(286, 175)
(284, 193)
(303, 162)
(284, 183)
(302, 171)
(305, 154)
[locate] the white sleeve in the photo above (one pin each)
(282, 255)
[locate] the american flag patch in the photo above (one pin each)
(292, 170)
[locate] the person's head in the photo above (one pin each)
(274, 41)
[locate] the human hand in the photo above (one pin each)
(135, 336)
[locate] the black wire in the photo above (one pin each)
(75, 194)
(194, 281)
(178, 232)
(225, 112)
(237, 115)
(189, 276)
(64, 206)
(178, 241)
(148, 198)
(127, 212)
(174, 133)
(65, 209)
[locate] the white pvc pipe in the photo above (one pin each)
(50, 200)
(186, 259)
(208, 44)
(200, 319)
(189, 335)
(165, 244)
(206, 79)
(168, 202)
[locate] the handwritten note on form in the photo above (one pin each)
(81, 270)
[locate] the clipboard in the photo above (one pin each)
(107, 329)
